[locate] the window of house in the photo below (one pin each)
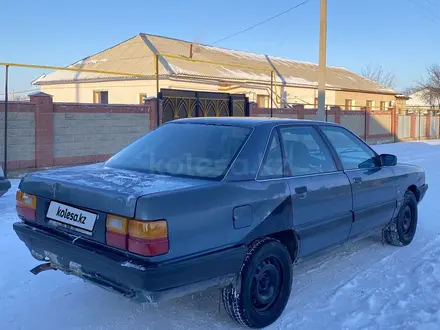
(263, 101)
(369, 105)
(141, 98)
(100, 97)
(316, 102)
(383, 105)
(348, 104)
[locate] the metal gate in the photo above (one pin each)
(183, 104)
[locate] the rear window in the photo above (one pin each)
(189, 150)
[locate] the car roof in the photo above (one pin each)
(249, 121)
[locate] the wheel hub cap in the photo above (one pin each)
(407, 219)
(266, 285)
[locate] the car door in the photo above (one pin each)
(373, 185)
(320, 191)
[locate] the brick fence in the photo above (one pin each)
(372, 126)
(42, 133)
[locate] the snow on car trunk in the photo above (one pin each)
(100, 188)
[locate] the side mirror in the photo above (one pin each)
(388, 160)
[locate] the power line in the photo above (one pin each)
(20, 92)
(423, 7)
(262, 22)
(433, 3)
(417, 12)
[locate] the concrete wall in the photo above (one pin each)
(21, 134)
(44, 134)
(404, 131)
(354, 121)
(84, 134)
(434, 126)
(380, 124)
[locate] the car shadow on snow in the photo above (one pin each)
(204, 310)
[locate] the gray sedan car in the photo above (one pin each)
(217, 202)
(5, 184)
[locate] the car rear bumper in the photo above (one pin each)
(422, 191)
(5, 185)
(128, 274)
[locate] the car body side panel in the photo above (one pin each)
(406, 176)
(5, 185)
(374, 198)
(323, 216)
(202, 220)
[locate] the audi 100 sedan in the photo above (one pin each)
(217, 202)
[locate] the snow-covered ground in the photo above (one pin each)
(361, 285)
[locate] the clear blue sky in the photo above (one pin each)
(399, 34)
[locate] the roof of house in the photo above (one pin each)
(421, 99)
(136, 57)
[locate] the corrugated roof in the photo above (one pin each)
(136, 56)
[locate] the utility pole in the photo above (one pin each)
(322, 60)
(5, 165)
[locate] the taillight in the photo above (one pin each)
(147, 238)
(116, 234)
(26, 205)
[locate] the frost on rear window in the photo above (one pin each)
(189, 150)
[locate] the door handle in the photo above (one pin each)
(357, 180)
(301, 192)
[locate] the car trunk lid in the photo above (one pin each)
(65, 196)
(101, 188)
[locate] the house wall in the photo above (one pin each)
(128, 91)
(119, 92)
(360, 99)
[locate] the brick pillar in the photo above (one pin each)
(395, 124)
(300, 108)
(337, 111)
(413, 127)
(367, 124)
(44, 148)
(428, 126)
(152, 108)
(252, 109)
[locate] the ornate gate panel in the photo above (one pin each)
(183, 104)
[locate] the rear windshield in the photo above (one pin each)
(189, 150)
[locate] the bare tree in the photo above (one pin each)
(379, 75)
(409, 90)
(429, 89)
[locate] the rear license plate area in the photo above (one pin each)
(71, 218)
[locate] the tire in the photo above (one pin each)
(401, 230)
(264, 286)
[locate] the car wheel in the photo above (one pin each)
(264, 285)
(401, 230)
